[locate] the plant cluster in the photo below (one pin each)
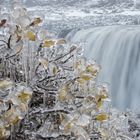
(47, 88)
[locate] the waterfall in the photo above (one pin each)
(117, 50)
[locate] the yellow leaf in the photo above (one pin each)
(80, 81)
(100, 97)
(85, 77)
(92, 69)
(24, 96)
(15, 120)
(103, 92)
(101, 117)
(62, 94)
(68, 127)
(103, 96)
(31, 36)
(98, 100)
(48, 43)
(55, 70)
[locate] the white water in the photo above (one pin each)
(117, 50)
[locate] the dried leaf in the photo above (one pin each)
(85, 77)
(93, 69)
(2, 22)
(103, 92)
(99, 104)
(48, 43)
(9, 116)
(15, 120)
(18, 38)
(62, 94)
(101, 117)
(68, 127)
(5, 84)
(80, 81)
(24, 96)
(55, 70)
(61, 117)
(31, 36)
(2, 133)
(90, 99)
(36, 21)
(98, 100)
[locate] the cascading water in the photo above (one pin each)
(117, 50)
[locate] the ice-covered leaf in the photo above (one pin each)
(2, 22)
(104, 133)
(36, 21)
(55, 70)
(11, 117)
(2, 133)
(103, 92)
(62, 94)
(101, 117)
(5, 84)
(48, 43)
(93, 69)
(31, 35)
(61, 41)
(99, 101)
(68, 127)
(24, 96)
(44, 62)
(85, 77)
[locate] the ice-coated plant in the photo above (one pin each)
(48, 90)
